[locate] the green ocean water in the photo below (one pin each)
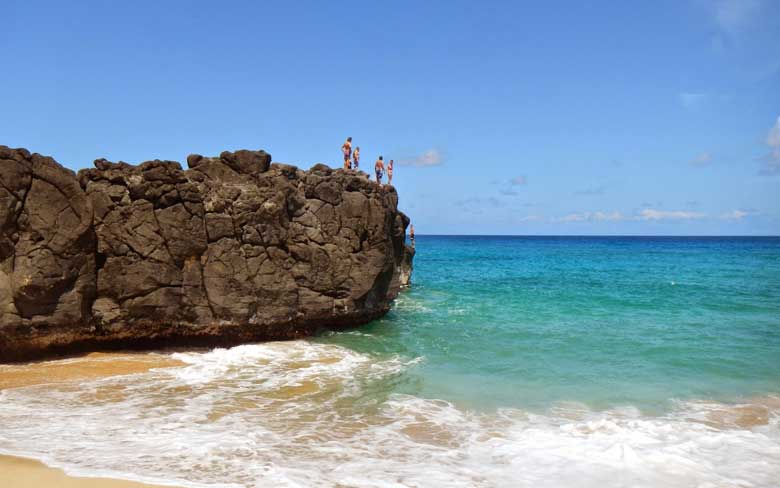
(530, 322)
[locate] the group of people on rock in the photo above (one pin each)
(352, 161)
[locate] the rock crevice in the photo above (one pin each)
(233, 249)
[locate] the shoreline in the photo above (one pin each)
(82, 368)
(311, 374)
(24, 472)
(20, 471)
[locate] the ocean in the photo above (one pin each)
(510, 362)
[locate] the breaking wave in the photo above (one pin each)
(303, 413)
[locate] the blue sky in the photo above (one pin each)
(505, 117)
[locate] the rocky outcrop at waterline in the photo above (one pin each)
(233, 249)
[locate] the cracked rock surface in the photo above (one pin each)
(234, 249)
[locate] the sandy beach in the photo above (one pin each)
(28, 473)
(303, 413)
(91, 366)
(20, 472)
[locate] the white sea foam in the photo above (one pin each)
(406, 304)
(306, 414)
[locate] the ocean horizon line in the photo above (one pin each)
(703, 236)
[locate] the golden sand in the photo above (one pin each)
(18, 472)
(752, 412)
(91, 366)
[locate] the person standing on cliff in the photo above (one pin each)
(346, 148)
(356, 158)
(379, 168)
(390, 172)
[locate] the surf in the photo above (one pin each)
(304, 413)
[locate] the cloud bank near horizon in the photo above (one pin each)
(771, 164)
(429, 157)
(644, 215)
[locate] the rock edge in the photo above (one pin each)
(234, 249)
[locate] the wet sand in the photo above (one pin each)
(91, 366)
(233, 389)
(16, 472)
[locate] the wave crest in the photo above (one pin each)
(309, 414)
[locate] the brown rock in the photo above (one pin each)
(234, 249)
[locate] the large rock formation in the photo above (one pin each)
(234, 249)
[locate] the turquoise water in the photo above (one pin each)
(606, 321)
(510, 362)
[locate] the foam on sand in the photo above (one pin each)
(308, 414)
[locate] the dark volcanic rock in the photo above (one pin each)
(234, 249)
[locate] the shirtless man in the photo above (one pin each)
(346, 148)
(379, 168)
(390, 172)
(356, 158)
(411, 234)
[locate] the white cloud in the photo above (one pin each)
(475, 203)
(773, 137)
(592, 190)
(609, 217)
(733, 16)
(573, 217)
(431, 157)
(530, 218)
(651, 214)
(647, 214)
(518, 180)
(772, 160)
(592, 217)
(703, 159)
(736, 214)
(692, 99)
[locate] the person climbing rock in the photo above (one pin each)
(379, 168)
(346, 148)
(411, 234)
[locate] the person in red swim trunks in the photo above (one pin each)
(379, 168)
(346, 148)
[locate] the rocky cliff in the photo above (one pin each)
(234, 249)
